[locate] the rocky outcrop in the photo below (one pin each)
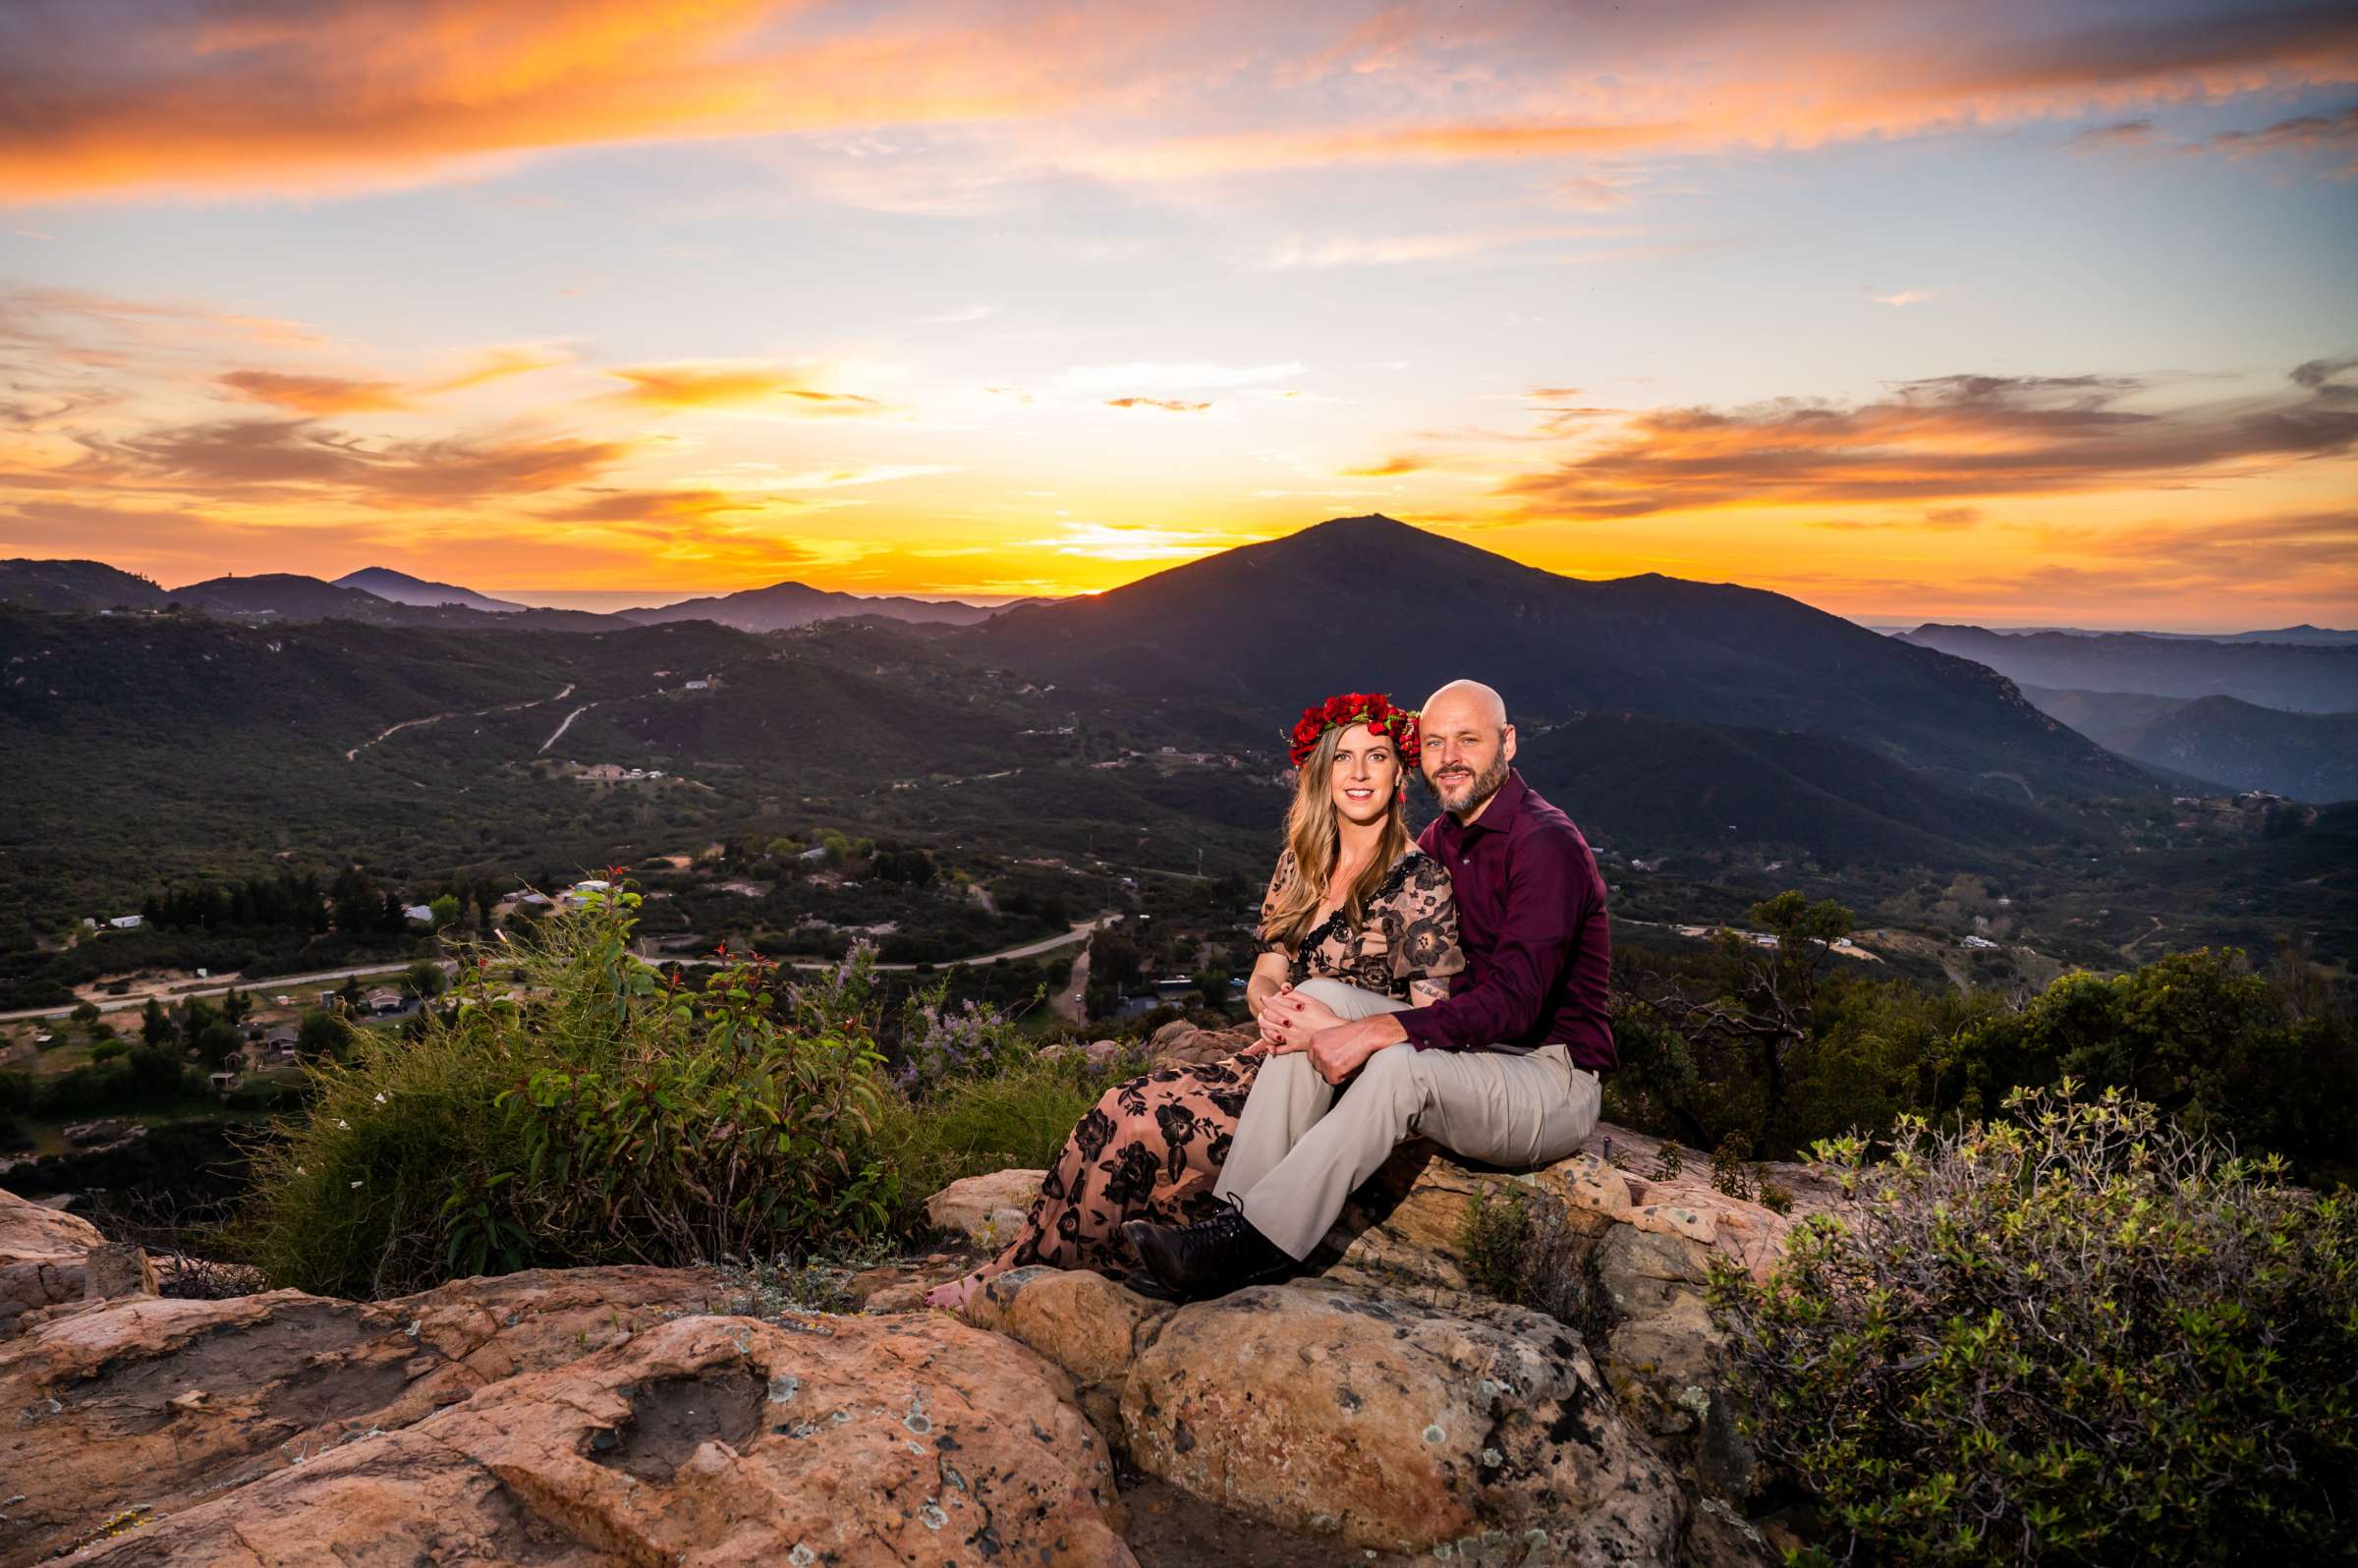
(42, 1257)
(707, 1440)
(154, 1404)
(589, 1416)
(1400, 1427)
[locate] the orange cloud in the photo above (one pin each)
(313, 394)
(1170, 404)
(259, 458)
(1405, 463)
(659, 505)
(496, 364)
(706, 384)
(1943, 438)
(337, 94)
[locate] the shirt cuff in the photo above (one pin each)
(1423, 1029)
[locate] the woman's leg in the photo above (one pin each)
(1150, 1149)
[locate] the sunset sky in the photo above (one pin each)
(2019, 313)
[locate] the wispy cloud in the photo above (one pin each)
(1943, 438)
(973, 312)
(737, 384)
(1903, 297)
(315, 394)
(1167, 405)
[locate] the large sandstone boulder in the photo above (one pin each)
(1399, 1426)
(988, 1209)
(156, 1404)
(43, 1253)
(1082, 1321)
(704, 1441)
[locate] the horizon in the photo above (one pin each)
(1919, 312)
(611, 602)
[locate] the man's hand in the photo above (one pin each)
(1339, 1051)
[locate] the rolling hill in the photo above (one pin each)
(402, 589)
(74, 585)
(1371, 603)
(783, 606)
(2223, 742)
(2309, 677)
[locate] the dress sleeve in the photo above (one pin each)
(1279, 880)
(1427, 948)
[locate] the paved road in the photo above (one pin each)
(176, 992)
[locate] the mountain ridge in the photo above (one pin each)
(1371, 603)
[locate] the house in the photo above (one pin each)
(384, 1002)
(423, 913)
(224, 1081)
(125, 922)
(1977, 942)
(699, 686)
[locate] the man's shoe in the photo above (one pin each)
(1208, 1258)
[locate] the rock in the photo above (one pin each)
(285, 1376)
(1677, 1219)
(1400, 1427)
(718, 1441)
(107, 1132)
(980, 1205)
(1082, 1321)
(1665, 1357)
(117, 1268)
(41, 1254)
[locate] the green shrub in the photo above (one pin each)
(2080, 1335)
(602, 1115)
(975, 1123)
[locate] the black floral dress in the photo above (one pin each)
(1153, 1147)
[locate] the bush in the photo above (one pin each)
(604, 1117)
(2079, 1335)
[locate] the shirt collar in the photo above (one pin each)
(1501, 813)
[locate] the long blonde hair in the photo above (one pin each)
(1314, 833)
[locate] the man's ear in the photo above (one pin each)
(1506, 744)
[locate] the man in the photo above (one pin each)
(1503, 1071)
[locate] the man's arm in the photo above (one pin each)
(1545, 889)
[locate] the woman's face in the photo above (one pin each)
(1366, 774)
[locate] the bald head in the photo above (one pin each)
(1468, 746)
(1470, 699)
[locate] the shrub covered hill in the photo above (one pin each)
(1726, 727)
(2306, 677)
(1377, 605)
(2225, 739)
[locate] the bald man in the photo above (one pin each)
(1504, 1071)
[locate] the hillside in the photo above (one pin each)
(74, 585)
(2310, 757)
(287, 597)
(783, 606)
(402, 589)
(1371, 603)
(2315, 677)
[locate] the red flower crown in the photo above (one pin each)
(1372, 708)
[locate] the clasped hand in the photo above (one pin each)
(1292, 1022)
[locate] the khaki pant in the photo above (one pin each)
(1299, 1151)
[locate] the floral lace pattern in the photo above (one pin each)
(1409, 931)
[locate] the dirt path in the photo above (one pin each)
(354, 754)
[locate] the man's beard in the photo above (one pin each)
(1484, 785)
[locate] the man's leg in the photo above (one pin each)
(1288, 1096)
(1499, 1109)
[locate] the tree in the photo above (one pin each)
(321, 1037)
(236, 1004)
(425, 979)
(156, 1024)
(217, 1041)
(86, 1013)
(447, 910)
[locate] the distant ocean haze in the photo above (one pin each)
(607, 601)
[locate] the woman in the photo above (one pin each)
(1353, 907)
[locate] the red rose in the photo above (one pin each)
(1339, 708)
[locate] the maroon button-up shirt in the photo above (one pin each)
(1531, 918)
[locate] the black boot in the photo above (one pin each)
(1208, 1258)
